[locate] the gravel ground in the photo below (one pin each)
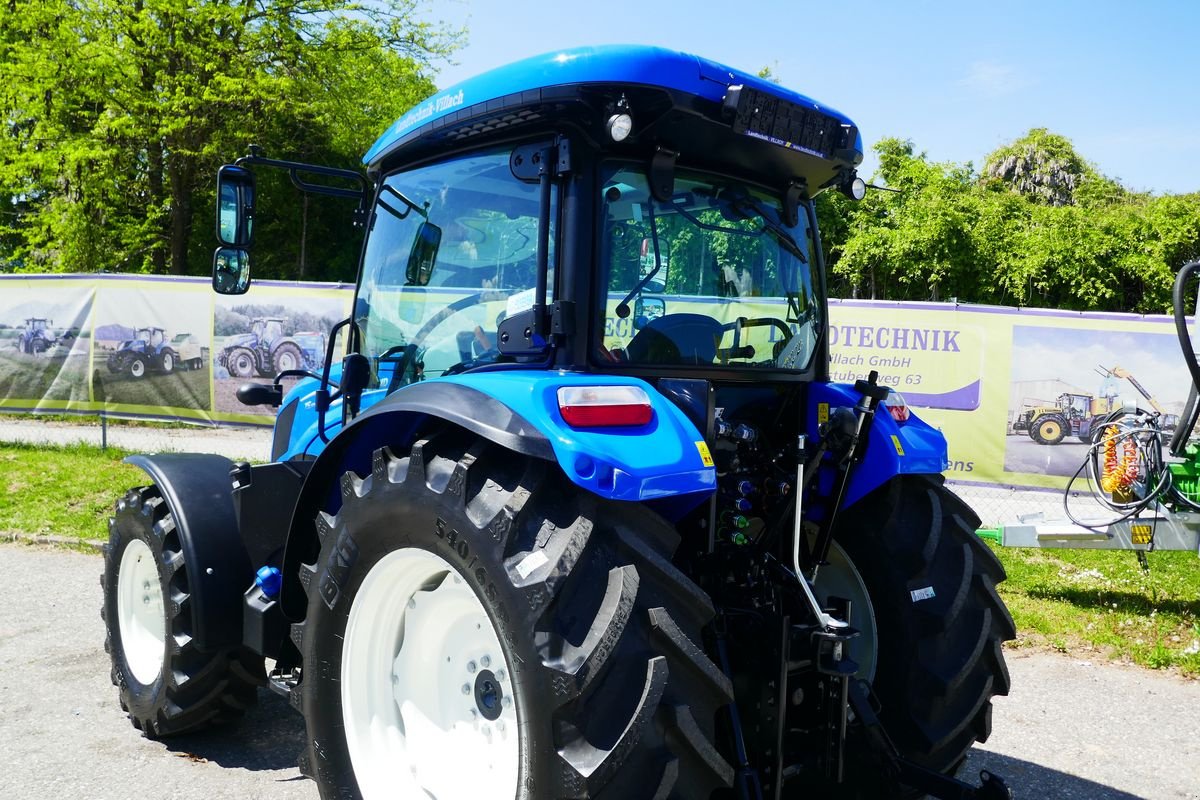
(1071, 729)
(240, 443)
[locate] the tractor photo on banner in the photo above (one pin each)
(275, 328)
(45, 325)
(152, 348)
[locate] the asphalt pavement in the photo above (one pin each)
(1071, 729)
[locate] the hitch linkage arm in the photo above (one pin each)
(935, 784)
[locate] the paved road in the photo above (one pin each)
(1071, 729)
(1022, 454)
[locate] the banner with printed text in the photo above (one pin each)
(1014, 390)
(155, 347)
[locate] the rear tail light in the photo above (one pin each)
(896, 406)
(604, 406)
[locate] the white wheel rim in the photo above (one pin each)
(419, 658)
(840, 578)
(168, 362)
(137, 368)
(141, 613)
(287, 361)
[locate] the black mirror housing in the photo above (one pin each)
(423, 255)
(260, 394)
(231, 270)
(235, 206)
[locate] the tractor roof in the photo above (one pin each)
(525, 91)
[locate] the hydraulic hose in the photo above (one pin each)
(1178, 299)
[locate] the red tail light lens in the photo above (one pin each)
(604, 406)
(896, 406)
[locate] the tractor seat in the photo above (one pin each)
(676, 339)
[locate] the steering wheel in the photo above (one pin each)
(739, 350)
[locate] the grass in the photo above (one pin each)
(1090, 604)
(1101, 604)
(32, 377)
(62, 491)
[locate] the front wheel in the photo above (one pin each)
(937, 620)
(166, 361)
(1049, 429)
(137, 367)
(485, 629)
(286, 357)
(165, 683)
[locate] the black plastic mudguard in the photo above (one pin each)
(199, 492)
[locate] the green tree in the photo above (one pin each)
(115, 116)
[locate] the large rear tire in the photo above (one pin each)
(939, 622)
(166, 684)
(597, 681)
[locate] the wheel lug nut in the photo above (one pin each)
(412, 602)
(471, 666)
(507, 702)
(486, 661)
(466, 688)
(500, 675)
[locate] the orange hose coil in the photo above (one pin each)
(1120, 471)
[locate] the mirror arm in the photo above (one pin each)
(296, 168)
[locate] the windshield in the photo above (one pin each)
(485, 266)
(714, 276)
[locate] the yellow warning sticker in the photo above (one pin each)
(896, 443)
(1141, 534)
(822, 412)
(705, 456)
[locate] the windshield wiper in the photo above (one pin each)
(780, 232)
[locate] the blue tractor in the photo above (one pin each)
(148, 350)
(578, 512)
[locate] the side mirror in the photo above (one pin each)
(646, 310)
(423, 255)
(231, 270)
(260, 394)
(235, 206)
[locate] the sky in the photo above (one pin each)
(959, 79)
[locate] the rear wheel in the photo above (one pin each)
(937, 618)
(485, 629)
(166, 684)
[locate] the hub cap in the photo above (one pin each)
(140, 612)
(840, 578)
(426, 690)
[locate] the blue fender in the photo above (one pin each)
(198, 490)
(895, 448)
(517, 409)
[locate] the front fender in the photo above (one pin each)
(909, 448)
(199, 492)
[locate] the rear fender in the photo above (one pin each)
(198, 490)
(517, 410)
(912, 447)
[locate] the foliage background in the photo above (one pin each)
(115, 115)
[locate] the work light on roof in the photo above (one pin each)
(619, 126)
